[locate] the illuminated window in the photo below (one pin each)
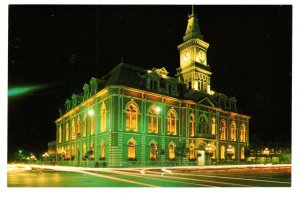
(103, 118)
(223, 130)
(213, 126)
(93, 125)
(243, 133)
(192, 152)
(203, 122)
(131, 117)
(59, 134)
(131, 150)
(153, 120)
(78, 124)
(192, 125)
(73, 130)
(67, 132)
(233, 131)
(84, 125)
(171, 122)
(153, 151)
(222, 154)
(171, 152)
(242, 153)
(102, 151)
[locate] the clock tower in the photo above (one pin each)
(194, 72)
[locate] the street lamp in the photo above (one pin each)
(266, 153)
(209, 151)
(91, 112)
(230, 152)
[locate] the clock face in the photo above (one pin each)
(186, 57)
(201, 58)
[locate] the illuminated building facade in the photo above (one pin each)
(137, 117)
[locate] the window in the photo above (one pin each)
(93, 120)
(213, 126)
(73, 130)
(192, 125)
(153, 151)
(153, 120)
(222, 154)
(103, 118)
(233, 131)
(92, 151)
(192, 152)
(84, 126)
(171, 122)
(203, 124)
(67, 132)
(242, 153)
(223, 130)
(131, 150)
(78, 125)
(59, 134)
(131, 117)
(102, 157)
(243, 133)
(171, 152)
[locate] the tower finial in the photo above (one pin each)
(192, 10)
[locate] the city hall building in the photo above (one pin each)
(138, 117)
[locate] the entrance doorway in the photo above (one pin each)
(200, 157)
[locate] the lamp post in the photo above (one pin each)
(266, 153)
(229, 152)
(209, 152)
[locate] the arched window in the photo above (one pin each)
(84, 125)
(192, 125)
(203, 122)
(171, 122)
(171, 152)
(222, 152)
(233, 131)
(73, 130)
(192, 152)
(223, 130)
(93, 122)
(67, 132)
(213, 126)
(102, 148)
(243, 133)
(103, 117)
(131, 117)
(153, 120)
(153, 151)
(78, 125)
(242, 153)
(131, 150)
(59, 134)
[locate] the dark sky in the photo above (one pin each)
(62, 47)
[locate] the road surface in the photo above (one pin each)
(57, 176)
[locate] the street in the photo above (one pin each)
(59, 176)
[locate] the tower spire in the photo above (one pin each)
(193, 29)
(192, 10)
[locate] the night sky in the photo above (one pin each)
(62, 47)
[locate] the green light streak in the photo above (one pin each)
(19, 91)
